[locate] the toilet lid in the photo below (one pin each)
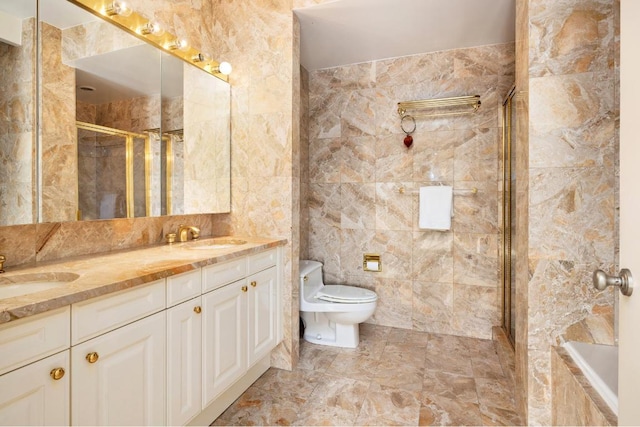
(346, 294)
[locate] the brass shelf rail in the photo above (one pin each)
(454, 106)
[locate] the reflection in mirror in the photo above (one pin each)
(109, 144)
(195, 134)
(18, 187)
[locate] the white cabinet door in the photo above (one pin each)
(225, 338)
(262, 314)
(126, 384)
(184, 361)
(31, 396)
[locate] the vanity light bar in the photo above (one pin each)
(119, 14)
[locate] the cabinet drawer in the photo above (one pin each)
(96, 316)
(217, 275)
(259, 262)
(27, 340)
(183, 287)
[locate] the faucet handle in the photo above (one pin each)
(2, 261)
(195, 233)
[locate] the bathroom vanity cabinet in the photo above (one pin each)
(170, 352)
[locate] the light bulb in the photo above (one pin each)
(152, 28)
(178, 44)
(225, 68)
(119, 8)
(199, 58)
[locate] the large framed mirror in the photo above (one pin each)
(18, 158)
(126, 129)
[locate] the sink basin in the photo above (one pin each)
(24, 284)
(218, 244)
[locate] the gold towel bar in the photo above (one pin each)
(472, 101)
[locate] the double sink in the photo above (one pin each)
(24, 284)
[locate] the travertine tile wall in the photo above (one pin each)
(444, 282)
(567, 149)
(58, 138)
(17, 138)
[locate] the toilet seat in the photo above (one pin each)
(346, 294)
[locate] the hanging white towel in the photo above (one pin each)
(436, 207)
(108, 206)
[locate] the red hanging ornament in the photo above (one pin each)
(408, 140)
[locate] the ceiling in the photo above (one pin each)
(345, 32)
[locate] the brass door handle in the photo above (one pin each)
(197, 309)
(57, 373)
(254, 284)
(92, 357)
(244, 289)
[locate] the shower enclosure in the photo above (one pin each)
(508, 210)
(114, 173)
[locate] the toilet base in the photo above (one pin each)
(320, 330)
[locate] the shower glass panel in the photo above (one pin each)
(508, 267)
(114, 173)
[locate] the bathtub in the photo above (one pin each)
(599, 363)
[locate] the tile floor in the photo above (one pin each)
(394, 377)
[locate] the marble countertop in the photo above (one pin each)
(101, 274)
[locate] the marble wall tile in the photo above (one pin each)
(394, 302)
(357, 159)
(476, 155)
(59, 140)
(324, 203)
(393, 209)
(433, 155)
(17, 136)
(393, 161)
(348, 77)
(572, 214)
(359, 209)
(325, 160)
(573, 116)
(477, 213)
(432, 259)
(475, 310)
(475, 259)
(571, 37)
(432, 309)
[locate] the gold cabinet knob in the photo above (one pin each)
(92, 357)
(244, 289)
(57, 373)
(197, 309)
(254, 284)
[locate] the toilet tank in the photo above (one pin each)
(310, 278)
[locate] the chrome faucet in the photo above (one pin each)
(183, 232)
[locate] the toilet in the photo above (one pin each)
(332, 313)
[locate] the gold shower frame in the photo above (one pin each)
(129, 137)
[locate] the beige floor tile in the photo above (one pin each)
(391, 405)
(290, 384)
(353, 366)
(259, 407)
(451, 386)
(395, 377)
(446, 412)
(496, 393)
(338, 399)
(315, 357)
(499, 417)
